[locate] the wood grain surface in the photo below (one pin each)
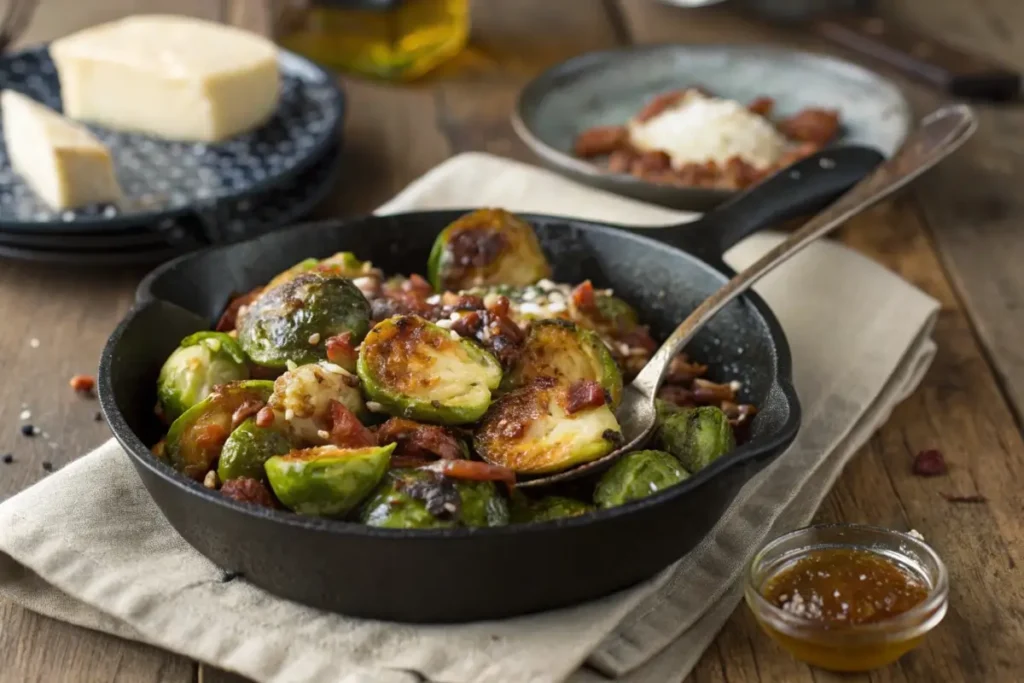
(954, 236)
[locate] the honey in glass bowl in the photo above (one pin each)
(847, 597)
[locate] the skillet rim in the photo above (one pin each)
(141, 454)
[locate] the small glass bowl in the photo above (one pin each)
(858, 647)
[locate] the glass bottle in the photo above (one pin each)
(388, 39)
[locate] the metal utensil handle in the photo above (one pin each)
(939, 134)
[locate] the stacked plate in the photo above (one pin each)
(180, 196)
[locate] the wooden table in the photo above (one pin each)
(956, 235)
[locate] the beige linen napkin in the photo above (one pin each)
(86, 545)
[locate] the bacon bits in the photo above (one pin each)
(83, 384)
(583, 394)
(811, 125)
(346, 430)
(930, 463)
(419, 441)
(247, 490)
(341, 350)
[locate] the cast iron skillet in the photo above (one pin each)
(465, 574)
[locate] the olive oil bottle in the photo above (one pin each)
(388, 39)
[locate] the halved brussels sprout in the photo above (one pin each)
(302, 399)
(295, 320)
(567, 353)
(421, 499)
(327, 481)
(195, 439)
(248, 447)
(537, 429)
(418, 370)
(342, 264)
(696, 436)
(485, 247)
(638, 475)
(202, 361)
(524, 510)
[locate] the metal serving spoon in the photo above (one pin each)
(939, 134)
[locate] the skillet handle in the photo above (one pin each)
(804, 188)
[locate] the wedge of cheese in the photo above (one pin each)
(172, 77)
(63, 163)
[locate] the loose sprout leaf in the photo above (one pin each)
(247, 448)
(327, 481)
(195, 439)
(203, 361)
(531, 431)
(417, 370)
(293, 321)
(302, 400)
(696, 436)
(638, 475)
(485, 247)
(422, 499)
(566, 352)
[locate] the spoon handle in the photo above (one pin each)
(939, 134)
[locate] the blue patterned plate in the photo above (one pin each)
(231, 221)
(165, 179)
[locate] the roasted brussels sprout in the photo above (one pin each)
(421, 499)
(568, 353)
(327, 481)
(547, 427)
(524, 510)
(295, 321)
(302, 399)
(417, 370)
(202, 361)
(195, 439)
(248, 447)
(485, 247)
(342, 264)
(696, 436)
(638, 475)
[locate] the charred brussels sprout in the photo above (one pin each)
(195, 439)
(202, 361)
(542, 428)
(327, 481)
(417, 370)
(302, 399)
(524, 510)
(567, 353)
(486, 247)
(697, 436)
(248, 447)
(342, 264)
(420, 499)
(638, 475)
(295, 320)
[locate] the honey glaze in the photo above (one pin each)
(844, 586)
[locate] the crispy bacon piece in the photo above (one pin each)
(762, 106)
(681, 370)
(419, 440)
(229, 317)
(679, 395)
(658, 104)
(650, 162)
(499, 306)
(621, 160)
(706, 392)
(346, 431)
(248, 408)
(248, 490)
(341, 350)
(583, 394)
(399, 462)
(811, 125)
(583, 295)
(601, 140)
(468, 324)
(265, 417)
(473, 470)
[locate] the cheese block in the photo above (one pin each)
(172, 77)
(63, 163)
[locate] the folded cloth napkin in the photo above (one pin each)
(86, 545)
